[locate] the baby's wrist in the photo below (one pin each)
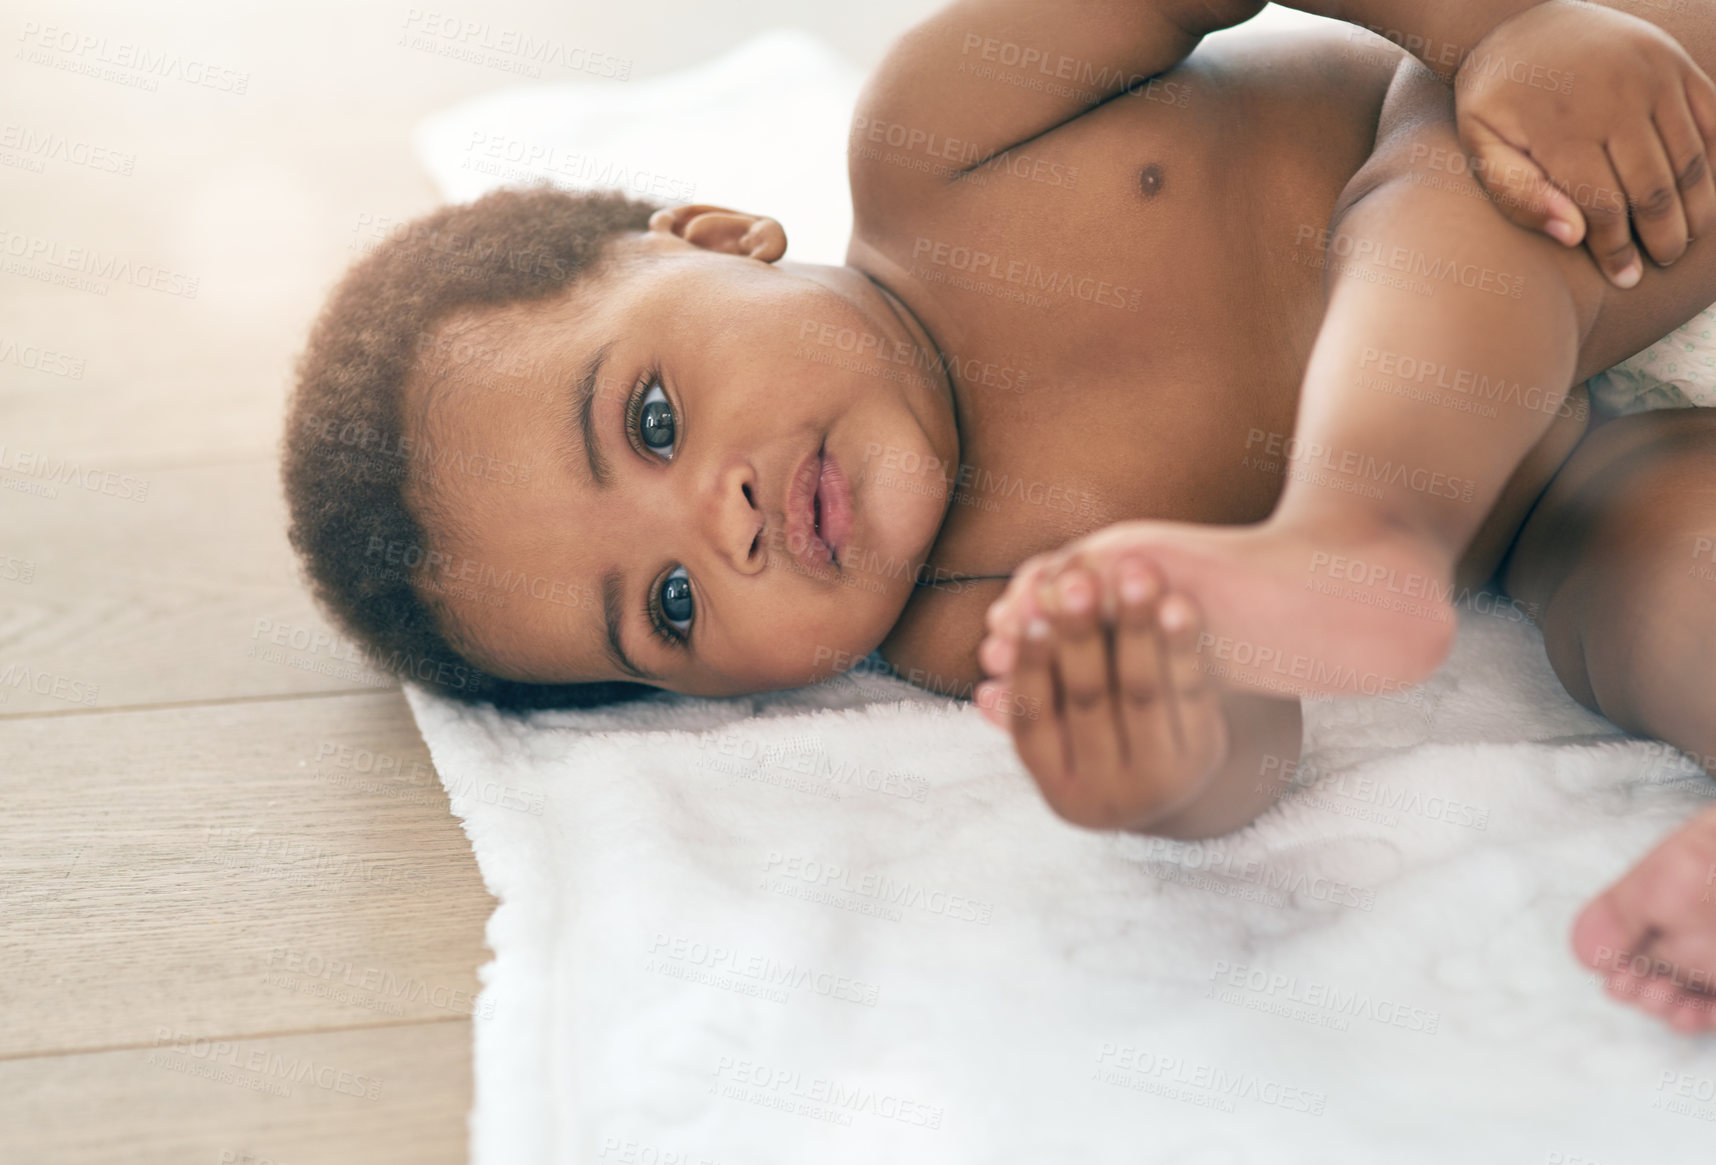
(1495, 20)
(1457, 32)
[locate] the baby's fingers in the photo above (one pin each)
(1653, 194)
(1519, 187)
(1688, 152)
(1587, 170)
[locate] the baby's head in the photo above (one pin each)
(548, 447)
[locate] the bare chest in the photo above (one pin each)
(1125, 309)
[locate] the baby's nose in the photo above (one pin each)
(738, 524)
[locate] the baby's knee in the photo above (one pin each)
(1419, 207)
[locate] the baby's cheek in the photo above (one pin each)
(793, 643)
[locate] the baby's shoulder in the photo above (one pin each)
(948, 97)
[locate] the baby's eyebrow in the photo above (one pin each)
(611, 617)
(583, 402)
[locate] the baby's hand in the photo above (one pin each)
(1110, 715)
(1612, 112)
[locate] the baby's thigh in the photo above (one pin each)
(1418, 143)
(1665, 297)
(1420, 171)
(1628, 322)
(1618, 560)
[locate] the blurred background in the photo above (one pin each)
(237, 922)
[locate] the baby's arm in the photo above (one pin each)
(932, 100)
(1585, 121)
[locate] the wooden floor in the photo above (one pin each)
(237, 921)
(226, 933)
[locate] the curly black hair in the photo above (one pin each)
(346, 463)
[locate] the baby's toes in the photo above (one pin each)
(1660, 996)
(1602, 933)
(1004, 620)
(1687, 954)
(1654, 931)
(1038, 737)
(1645, 992)
(1018, 605)
(1692, 1015)
(1202, 726)
(1140, 667)
(997, 654)
(1081, 668)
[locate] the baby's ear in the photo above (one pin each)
(716, 228)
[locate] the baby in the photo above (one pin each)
(1120, 401)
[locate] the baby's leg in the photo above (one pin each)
(1345, 587)
(1620, 559)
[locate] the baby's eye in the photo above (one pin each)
(676, 599)
(655, 422)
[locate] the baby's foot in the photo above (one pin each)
(1287, 613)
(1653, 933)
(1105, 701)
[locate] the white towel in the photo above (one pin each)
(761, 129)
(840, 925)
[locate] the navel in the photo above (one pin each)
(1150, 180)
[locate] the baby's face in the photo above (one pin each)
(691, 558)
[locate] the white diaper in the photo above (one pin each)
(1676, 372)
